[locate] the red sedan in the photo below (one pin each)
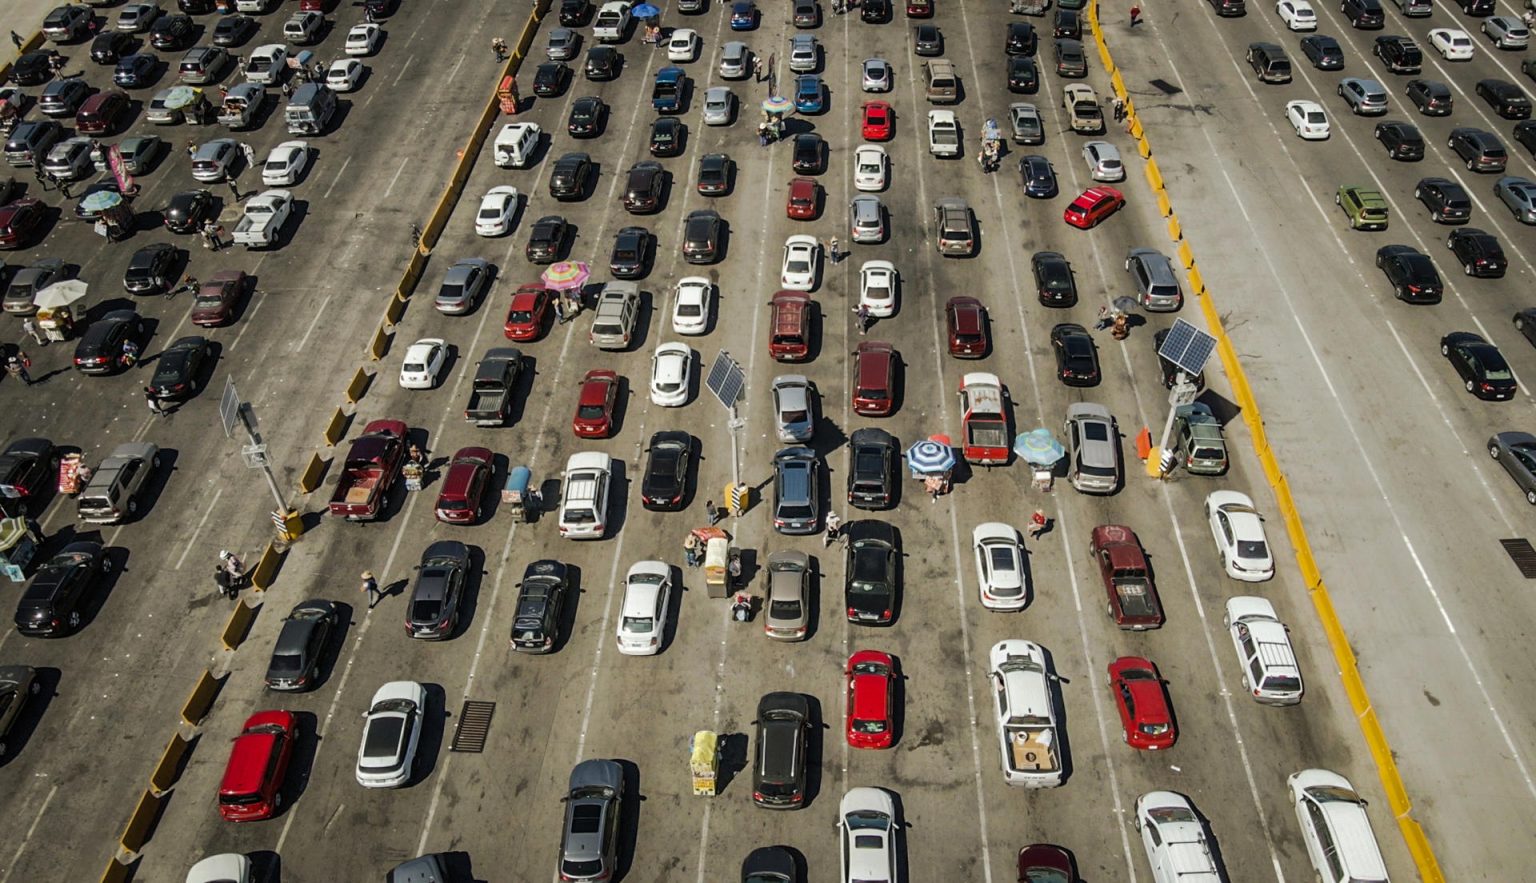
(1094, 205)
(594, 410)
(1046, 863)
(217, 297)
(1143, 703)
(804, 199)
(462, 497)
(19, 222)
(258, 763)
(879, 121)
(871, 699)
(525, 318)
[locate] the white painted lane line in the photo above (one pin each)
(27, 840)
(403, 68)
(457, 66)
(247, 322)
(337, 180)
(192, 540)
(319, 311)
(392, 181)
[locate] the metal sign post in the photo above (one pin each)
(726, 380)
(1189, 348)
(232, 411)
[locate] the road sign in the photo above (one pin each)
(726, 379)
(255, 455)
(1187, 347)
(229, 408)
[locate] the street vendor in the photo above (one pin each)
(692, 553)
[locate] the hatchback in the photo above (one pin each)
(794, 415)
(866, 217)
(778, 767)
(252, 787)
(1481, 151)
(876, 75)
(462, 286)
(873, 456)
(1364, 97)
(796, 509)
(589, 838)
(965, 321)
(1431, 97)
(1039, 176)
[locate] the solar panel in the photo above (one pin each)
(1188, 347)
(726, 379)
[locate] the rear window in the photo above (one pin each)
(426, 611)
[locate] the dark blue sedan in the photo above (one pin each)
(1039, 177)
(135, 71)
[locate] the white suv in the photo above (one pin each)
(584, 501)
(1264, 651)
(1340, 842)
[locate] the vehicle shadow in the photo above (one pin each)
(629, 818)
(734, 757)
(330, 656)
(1059, 703)
(814, 743)
(674, 609)
(45, 684)
(153, 487)
(473, 579)
(306, 744)
(434, 732)
(565, 627)
(116, 558)
(618, 499)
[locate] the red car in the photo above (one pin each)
(216, 298)
(871, 699)
(258, 763)
(1143, 703)
(594, 410)
(919, 8)
(966, 321)
(525, 317)
(804, 199)
(874, 379)
(463, 494)
(1090, 208)
(879, 121)
(19, 221)
(1046, 863)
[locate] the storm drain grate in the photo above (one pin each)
(1523, 554)
(474, 726)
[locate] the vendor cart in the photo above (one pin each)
(413, 473)
(991, 157)
(704, 761)
(516, 496)
(506, 94)
(18, 543)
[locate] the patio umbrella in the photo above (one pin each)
(1038, 447)
(566, 275)
(100, 201)
(928, 457)
(60, 294)
(777, 104)
(645, 11)
(182, 97)
(1125, 303)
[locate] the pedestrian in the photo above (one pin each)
(42, 177)
(29, 326)
(191, 149)
(1119, 109)
(17, 364)
(250, 155)
(223, 92)
(206, 236)
(711, 513)
(499, 46)
(234, 188)
(416, 236)
(188, 283)
(1104, 319)
(368, 13)
(560, 309)
(61, 185)
(416, 455)
(154, 403)
(1135, 16)
(130, 352)
(319, 71)
(864, 317)
(1120, 328)
(834, 250)
(16, 38)
(1037, 524)
(371, 587)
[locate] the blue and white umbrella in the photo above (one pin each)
(1038, 447)
(929, 457)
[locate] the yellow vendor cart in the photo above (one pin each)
(704, 761)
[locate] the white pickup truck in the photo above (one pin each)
(264, 218)
(611, 22)
(1026, 715)
(943, 133)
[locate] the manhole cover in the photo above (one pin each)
(1523, 554)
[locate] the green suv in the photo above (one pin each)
(1366, 208)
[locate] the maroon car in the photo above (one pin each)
(1045, 863)
(217, 298)
(20, 222)
(99, 114)
(965, 321)
(462, 497)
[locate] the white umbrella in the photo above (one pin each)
(60, 294)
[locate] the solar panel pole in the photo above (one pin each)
(1183, 393)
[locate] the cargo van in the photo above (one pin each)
(941, 82)
(310, 109)
(515, 144)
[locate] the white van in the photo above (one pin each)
(1340, 842)
(515, 144)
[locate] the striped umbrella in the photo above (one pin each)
(566, 275)
(928, 457)
(778, 104)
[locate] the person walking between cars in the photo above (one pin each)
(250, 155)
(130, 353)
(864, 318)
(188, 283)
(371, 587)
(17, 363)
(1037, 524)
(16, 38)
(834, 250)
(156, 407)
(29, 326)
(1135, 16)
(1119, 109)
(499, 46)
(234, 188)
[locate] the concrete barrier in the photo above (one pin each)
(1196, 281)
(116, 872)
(395, 311)
(1117, 82)
(136, 832)
(1143, 147)
(335, 428)
(196, 707)
(313, 474)
(239, 623)
(359, 384)
(1175, 232)
(165, 773)
(1186, 257)
(265, 572)
(379, 345)
(1154, 175)
(1164, 207)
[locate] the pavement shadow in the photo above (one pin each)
(434, 732)
(306, 744)
(45, 686)
(473, 579)
(734, 756)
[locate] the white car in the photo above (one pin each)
(877, 75)
(718, 103)
(877, 288)
(684, 45)
(1333, 822)
(643, 613)
(1451, 43)
(285, 164)
(424, 360)
(869, 165)
(1000, 566)
(1506, 31)
(230, 867)
(801, 254)
(363, 39)
(690, 305)
(671, 370)
(866, 829)
(1297, 15)
(497, 208)
(1308, 119)
(1103, 161)
(344, 74)
(386, 757)
(1239, 533)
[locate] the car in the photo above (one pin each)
(1516, 451)
(233, 30)
(1238, 530)
(804, 202)
(876, 375)
(1337, 831)
(1092, 207)
(136, 18)
(808, 93)
(1323, 52)
(683, 45)
(54, 602)
(363, 39)
(1364, 206)
(562, 45)
(1264, 651)
(28, 281)
(1401, 139)
(1506, 31)
(872, 460)
(1023, 75)
(1298, 15)
(584, 498)
(870, 167)
(1480, 364)
(1400, 54)
(386, 757)
(463, 286)
(878, 281)
(252, 786)
(1077, 359)
(667, 136)
(546, 240)
(462, 498)
(643, 612)
(867, 828)
(570, 176)
(702, 231)
(1448, 202)
(1505, 98)
(140, 152)
(802, 254)
(793, 408)
(575, 13)
(214, 159)
(603, 63)
(965, 325)
(1019, 39)
(20, 222)
(68, 22)
(27, 468)
(285, 164)
(1478, 252)
(719, 106)
(1308, 119)
(805, 13)
(595, 404)
(550, 79)
(779, 763)
(32, 68)
(172, 32)
(1174, 837)
(874, 11)
(735, 60)
(1365, 97)
(1103, 160)
(1366, 15)
(188, 210)
(424, 361)
(1071, 60)
(671, 375)
(796, 506)
(1028, 128)
(1453, 44)
(1431, 97)
(632, 253)
(1000, 570)
(1046, 863)
(18, 683)
(527, 311)
(433, 608)
(804, 53)
(808, 156)
(135, 71)
(69, 160)
(151, 270)
(870, 678)
(870, 580)
(955, 228)
(100, 350)
(1039, 176)
(1093, 448)
(109, 46)
(786, 610)
(1482, 151)
(1141, 696)
(643, 187)
(540, 602)
(589, 834)
(927, 40)
(1519, 196)
(664, 484)
(296, 655)
(1157, 287)
(743, 15)
(497, 208)
(879, 121)
(877, 76)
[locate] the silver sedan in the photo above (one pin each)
(1516, 451)
(877, 75)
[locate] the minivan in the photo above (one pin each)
(794, 491)
(778, 766)
(941, 84)
(1157, 288)
(99, 114)
(30, 140)
(310, 109)
(202, 65)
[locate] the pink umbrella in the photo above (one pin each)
(566, 275)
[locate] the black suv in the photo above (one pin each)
(1021, 38)
(296, 656)
(1481, 151)
(872, 457)
(574, 13)
(808, 157)
(874, 11)
(109, 47)
(53, 604)
(1478, 8)
(1411, 274)
(1525, 135)
(1402, 140)
(642, 189)
(1506, 99)
(869, 590)
(778, 767)
(150, 269)
(664, 485)
(540, 599)
(170, 32)
(631, 253)
(569, 179)
(1323, 51)
(546, 239)
(1367, 15)
(100, 350)
(1447, 201)
(1269, 61)
(1431, 97)
(602, 63)
(433, 613)
(1400, 54)
(549, 79)
(1478, 251)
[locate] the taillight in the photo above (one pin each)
(853, 614)
(885, 614)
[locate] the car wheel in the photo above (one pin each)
(277, 803)
(1519, 323)
(1493, 450)
(1530, 497)
(154, 462)
(1470, 166)
(1417, 193)
(74, 620)
(1471, 386)
(1336, 200)
(1354, 223)
(1402, 294)
(1467, 268)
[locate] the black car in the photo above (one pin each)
(643, 187)
(1447, 201)
(295, 662)
(1400, 54)
(1412, 275)
(546, 239)
(778, 768)
(1169, 370)
(232, 30)
(1038, 176)
(107, 48)
(379, 8)
(62, 98)
(188, 209)
(809, 154)
(179, 369)
(714, 174)
(1068, 23)
(1525, 135)
(1478, 252)
(1482, 151)
(27, 467)
(1020, 39)
(872, 459)
(701, 237)
(1506, 99)
(569, 179)
(770, 864)
(586, 117)
(105, 184)
(927, 41)
(1402, 140)
(195, 7)
(1071, 60)
(1478, 8)
(1480, 364)
(540, 600)
(602, 63)
(574, 13)
(549, 79)
(1023, 75)
(1431, 97)
(171, 32)
(433, 611)
(100, 350)
(665, 482)
(53, 604)
(874, 11)
(1366, 15)
(631, 256)
(31, 69)
(667, 137)
(869, 589)
(1077, 359)
(135, 71)
(1054, 282)
(151, 270)
(805, 13)
(1323, 51)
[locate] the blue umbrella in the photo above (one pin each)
(1038, 447)
(928, 457)
(645, 10)
(100, 201)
